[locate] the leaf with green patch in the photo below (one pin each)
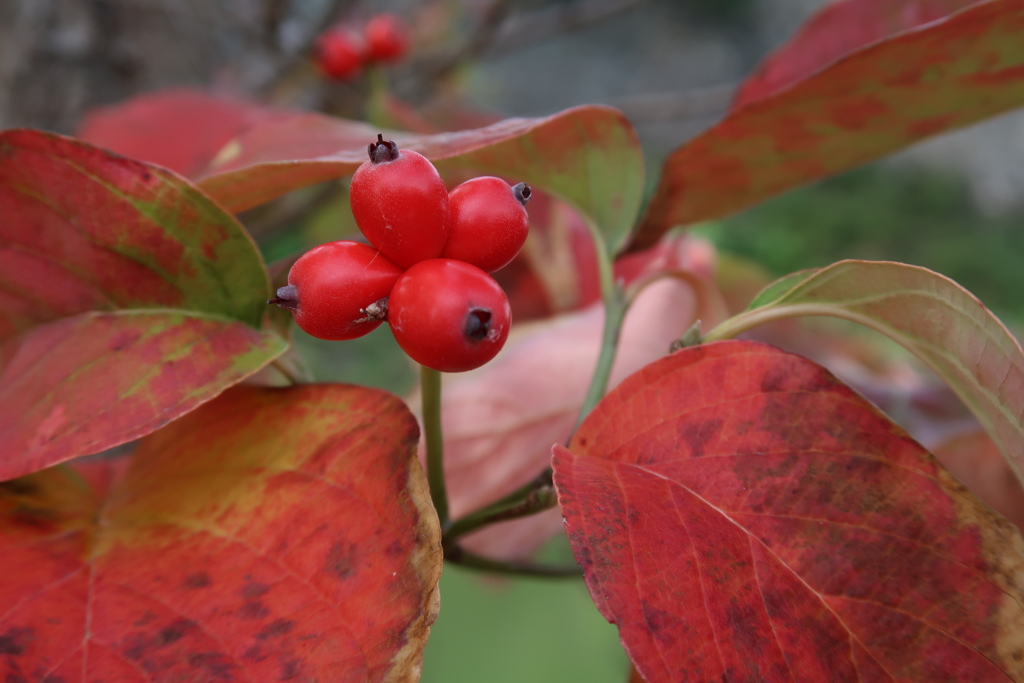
(740, 514)
(930, 315)
(589, 156)
(836, 30)
(130, 298)
(874, 101)
(273, 534)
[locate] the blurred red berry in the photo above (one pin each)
(387, 38)
(339, 54)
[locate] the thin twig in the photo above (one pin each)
(537, 500)
(457, 555)
(300, 52)
(481, 38)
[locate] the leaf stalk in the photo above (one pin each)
(430, 388)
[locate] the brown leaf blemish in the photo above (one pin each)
(197, 581)
(341, 560)
(13, 641)
(276, 628)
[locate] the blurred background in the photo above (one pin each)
(954, 204)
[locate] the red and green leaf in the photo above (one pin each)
(739, 513)
(130, 298)
(274, 534)
(589, 156)
(874, 101)
(839, 28)
(179, 128)
(938, 320)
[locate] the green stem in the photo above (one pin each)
(286, 372)
(456, 555)
(430, 387)
(615, 306)
(535, 500)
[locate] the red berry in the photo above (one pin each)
(489, 222)
(400, 203)
(335, 290)
(339, 54)
(449, 315)
(387, 38)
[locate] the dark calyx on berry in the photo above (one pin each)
(287, 298)
(382, 150)
(478, 324)
(377, 311)
(522, 193)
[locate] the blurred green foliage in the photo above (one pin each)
(511, 630)
(890, 213)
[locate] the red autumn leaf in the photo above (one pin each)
(274, 534)
(836, 30)
(740, 514)
(928, 314)
(130, 298)
(179, 128)
(873, 102)
(589, 156)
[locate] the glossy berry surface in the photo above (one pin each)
(489, 224)
(387, 38)
(339, 54)
(333, 290)
(400, 204)
(449, 315)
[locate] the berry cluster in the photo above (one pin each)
(342, 51)
(427, 271)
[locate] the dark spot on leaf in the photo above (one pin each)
(774, 380)
(659, 622)
(741, 620)
(278, 627)
(254, 609)
(395, 549)
(290, 669)
(198, 580)
(254, 590)
(634, 515)
(174, 632)
(218, 666)
(146, 618)
(136, 647)
(697, 436)
(341, 559)
(14, 640)
(255, 654)
(147, 176)
(583, 442)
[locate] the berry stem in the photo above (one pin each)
(615, 305)
(535, 499)
(430, 388)
(457, 555)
